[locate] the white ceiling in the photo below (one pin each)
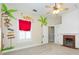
(40, 7)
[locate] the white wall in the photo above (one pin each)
(54, 20)
(70, 25)
(36, 28)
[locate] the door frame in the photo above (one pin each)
(53, 34)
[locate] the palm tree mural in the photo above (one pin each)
(6, 17)
(43, 22)
(7, 11)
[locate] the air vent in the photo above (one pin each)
(34, 10)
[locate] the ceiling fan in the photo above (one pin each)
(56, 8)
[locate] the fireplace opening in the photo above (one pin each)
(69, 41)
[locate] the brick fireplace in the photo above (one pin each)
(69, 41)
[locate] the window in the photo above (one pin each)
(24, 29)
(25, 35)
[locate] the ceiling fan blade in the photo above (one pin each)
(66, 8)
(58, 6)
(48, 13)
(49, 6)
(62, 9)
(61, 3)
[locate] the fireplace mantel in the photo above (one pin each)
(69, 41)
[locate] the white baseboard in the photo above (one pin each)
(21, 48)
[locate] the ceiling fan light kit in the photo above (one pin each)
(56, 11)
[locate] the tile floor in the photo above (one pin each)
(47, 49)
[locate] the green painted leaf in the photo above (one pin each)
(12, 10)
(43, 20)
(8, 11)
(4, 8)
(10, 15)
(8, 48)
